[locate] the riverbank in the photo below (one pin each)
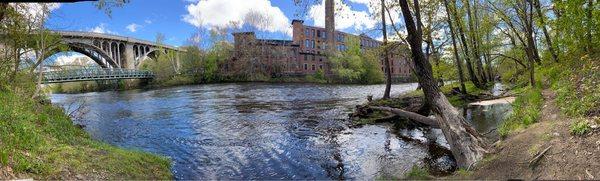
(121, 85)
(39, 141)
(557, 134)
(546, 150)
(413, 100)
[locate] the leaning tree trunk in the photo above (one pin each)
(388, 73)
(466, 145)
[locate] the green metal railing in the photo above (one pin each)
(83, 74)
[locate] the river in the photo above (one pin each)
(258, 130)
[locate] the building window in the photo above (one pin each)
(324, 35)
(305, 66)
(313, 67)
(313, 33)
(392, 69)
(307, 43)
(307, 32)
(305, 57)
(320, 59)
(321, 67)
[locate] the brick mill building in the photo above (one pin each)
(307, 52)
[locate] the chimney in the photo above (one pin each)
(330, 23)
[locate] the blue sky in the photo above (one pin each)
(179, 19)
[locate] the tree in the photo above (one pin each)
(465, 45)
(465, 143)
(457, 60)
(386, 58)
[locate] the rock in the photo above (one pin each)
(444, 164)
(556, 134)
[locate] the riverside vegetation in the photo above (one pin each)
(39, 140)
(553, 128)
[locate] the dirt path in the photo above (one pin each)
(569, 157)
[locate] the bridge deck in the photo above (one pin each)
(75, 75)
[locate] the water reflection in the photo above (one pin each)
(254, 130)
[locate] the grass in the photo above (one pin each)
(577, 87)
(580, 127)
(40, 141)
(526, 111)
(417, 173)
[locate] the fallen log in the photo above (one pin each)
(537, 157)
(410, 115)
(420, 119)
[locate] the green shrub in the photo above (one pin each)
(526, 111)
(580, 127)
(417, 173)
(40, 141)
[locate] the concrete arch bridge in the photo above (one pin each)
(117, 57)
(112, 51)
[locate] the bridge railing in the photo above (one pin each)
(87, 74)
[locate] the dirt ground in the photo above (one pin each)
(569, 157)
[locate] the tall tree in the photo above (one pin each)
(457, 60)
(386, 58)
(465, 143)
(542, 19)
(465, 45)
(473, 34)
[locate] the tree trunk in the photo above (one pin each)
(466, 145)
(388, 73)
(461, 76)
(530, 47)
(463, 39)
(474, 42)
(541, 15)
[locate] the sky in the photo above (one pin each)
(178, 20)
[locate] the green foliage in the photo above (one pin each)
(574, 26)
(577, 86)
(40, 141)
(318, 77)
(357, 66)
(417, 173)
(580, 127)
(191, 62)
(445, 69)
(526, 111)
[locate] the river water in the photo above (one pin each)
(258, 130)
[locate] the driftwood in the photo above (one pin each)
(537, 157)
(410, 115)
(421, 119)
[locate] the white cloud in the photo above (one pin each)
(133, 27)
(102, 29)
(360, 20)
(34, 11)
(71, 58)
(260, 14)
(345, 17)
(148, 21)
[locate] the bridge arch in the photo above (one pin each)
(95, 53)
